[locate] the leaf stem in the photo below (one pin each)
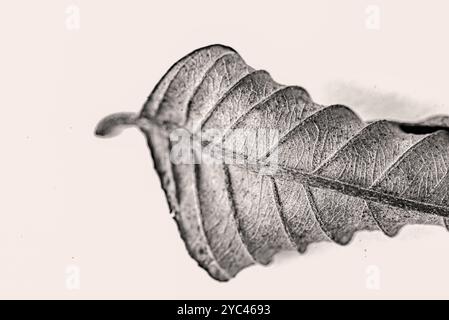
(113, 124)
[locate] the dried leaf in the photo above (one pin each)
(326, 175)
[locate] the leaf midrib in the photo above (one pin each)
(307, 178)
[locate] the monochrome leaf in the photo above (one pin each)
(327, 174)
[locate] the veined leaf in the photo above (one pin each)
(325, 175)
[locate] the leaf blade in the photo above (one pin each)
(327, 176)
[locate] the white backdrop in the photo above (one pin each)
(83, 217)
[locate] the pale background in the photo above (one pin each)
(83, 217)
